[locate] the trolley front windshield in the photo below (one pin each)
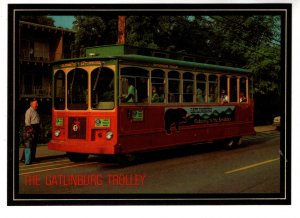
(77, 91)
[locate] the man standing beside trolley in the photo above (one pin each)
(32, 118)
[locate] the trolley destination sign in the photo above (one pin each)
(79, 64)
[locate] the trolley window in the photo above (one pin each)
(233, 89)
(102, 89)
(224, 83)
(134, 85)
(223, 89)
(158, 86)
(59, 90)
(201, 88)
(213, 89)
(243, 91)
(174, 87)
(188, 87)
(77, 89)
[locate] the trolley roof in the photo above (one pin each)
(141, 55)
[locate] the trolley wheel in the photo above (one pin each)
(232, 143)
(77, 157)
(229, 144)
(238, 141)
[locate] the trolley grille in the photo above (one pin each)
(77, 128)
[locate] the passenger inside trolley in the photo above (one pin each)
(132, 92)
(155, 96)
(224, 97)
(242, 97)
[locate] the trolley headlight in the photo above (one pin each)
(109, 135)
(57, 132)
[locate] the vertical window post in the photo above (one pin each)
(228, 88)
(165, 86)
(207, 87)
(89, 88)
(165, 100)
(180, 87)
(195, 87)
(238, 88)
(150, 86)
(218, 90)
(247, 89)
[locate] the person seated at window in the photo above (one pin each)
(161, 93)
(173, 94)
(155, 96)
(242, 97)
(212, 96)
(189, 93)
(224, 97)
(199, 96)
(172, 97)
(132, 93)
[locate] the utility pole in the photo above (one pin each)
(121, 29)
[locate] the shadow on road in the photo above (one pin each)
(186, 150)
(162, 154)
(116, 162)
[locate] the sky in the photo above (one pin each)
(63, 21)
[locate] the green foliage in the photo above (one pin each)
(44, 20)
(255, 42)
(89, 32)
(251, 41)
(140, 31)
(93, 31)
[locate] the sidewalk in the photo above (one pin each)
(42, 151)
(264, 128)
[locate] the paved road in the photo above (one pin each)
(205, 168)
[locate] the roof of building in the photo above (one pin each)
(28, 24)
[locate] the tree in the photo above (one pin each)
(89, 31)
(140, 31)
(251, 42)
(93, 31)
(255, 41)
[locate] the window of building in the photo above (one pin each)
(213, 89)
(102, 88)
(174, 87)
(233, 89)
(37, 81)
(59, 90)
(41, 50)
(201, 88)
(24, 49)
(158, 86)
(188, 87)
(77, 89)
(27, 83)
(134, 85)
